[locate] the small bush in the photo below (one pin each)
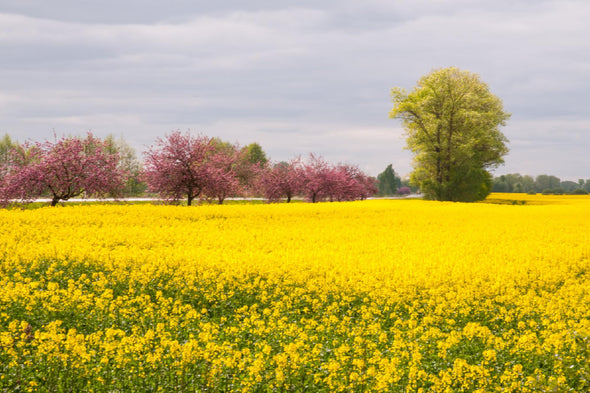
(553, 191)
(404, 191)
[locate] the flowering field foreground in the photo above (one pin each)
(374, 296)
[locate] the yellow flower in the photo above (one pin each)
(396, 295)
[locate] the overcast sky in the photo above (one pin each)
(295, 76)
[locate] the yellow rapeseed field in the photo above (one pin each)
(372, 296)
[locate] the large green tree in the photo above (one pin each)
(452, 124)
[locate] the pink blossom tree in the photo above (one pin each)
(353, 184)
(19, 174)
(178, 165)
(318, 178)
(224, 170)
(344, 185)
(343, 182)
(281, 180)
(371, 187)
(69, 167)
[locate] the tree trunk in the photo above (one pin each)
(190, 200)
(54, 200)
(439, 164)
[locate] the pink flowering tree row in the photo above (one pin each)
(316, 180)
(66, 168)
(183, 166)
(179, 166)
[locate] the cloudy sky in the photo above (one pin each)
(295, 76)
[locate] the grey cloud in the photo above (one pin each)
(294, 73)
(144, 11)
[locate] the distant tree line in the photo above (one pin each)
(179, 166)
(545, 184)
(390, 184)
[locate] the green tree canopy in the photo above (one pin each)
(452, 125)
(255, 154)
(544, 182)
(128, 161)
(389, 182)
(6, 145)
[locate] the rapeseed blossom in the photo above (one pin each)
(375, 296)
